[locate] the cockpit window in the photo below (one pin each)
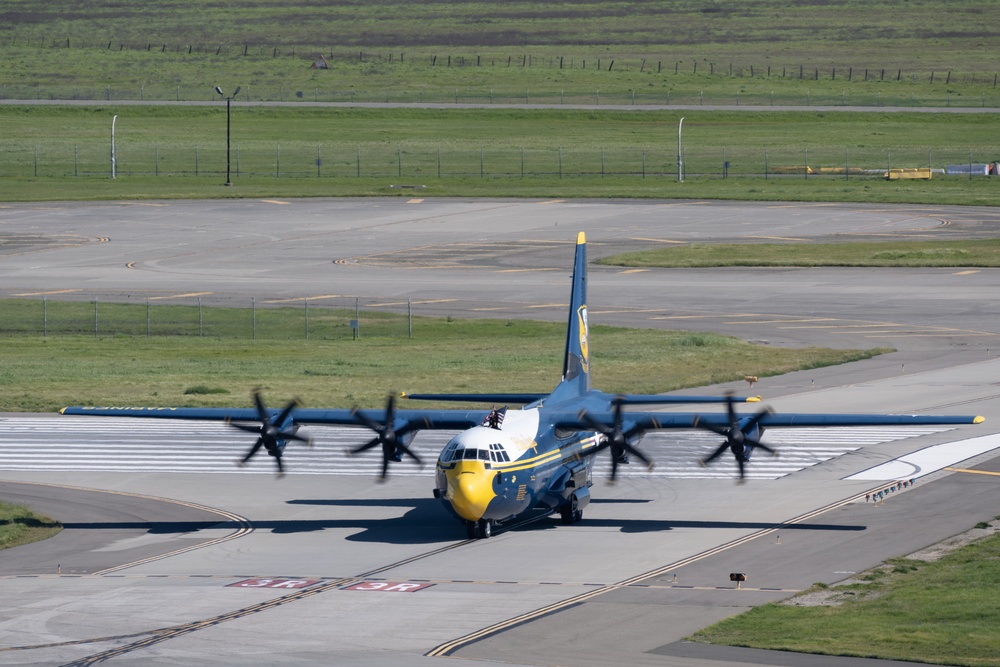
(498, 454)
(470, 454)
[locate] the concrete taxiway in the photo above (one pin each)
(178, 567)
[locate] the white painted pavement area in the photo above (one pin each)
(929, 459)
(144, 445)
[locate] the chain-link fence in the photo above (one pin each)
(411, 163)
(326, 318)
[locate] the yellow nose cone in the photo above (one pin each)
(470, 489)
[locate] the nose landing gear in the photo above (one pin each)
(482, 529)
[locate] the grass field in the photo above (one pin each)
(922, 51)
(940, 612)
(19, 525)
(181, 152)
(979, 253)
(45, 374)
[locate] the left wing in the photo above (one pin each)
(393, 429)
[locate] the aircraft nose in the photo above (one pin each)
(470, 490)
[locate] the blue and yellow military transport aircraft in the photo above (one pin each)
(507, 462)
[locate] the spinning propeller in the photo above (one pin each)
(272, 433)
(394, 442)
(738, 439)
(616, 438)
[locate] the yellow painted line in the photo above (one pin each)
(779, 238)
(415, 201)
(641, 238)
(403, 303)
(489, 310)
(630, 311)
(58, 291)
(548, 305)
(552, 201)
(526, 270)
(180, 296)
(275, 201)
(300, 299)
(622, 273)
(974, 472)
(887, 327)
(966, 273)
(794, 321)
(703, 317)
(901, 334)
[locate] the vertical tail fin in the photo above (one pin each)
(576, 363)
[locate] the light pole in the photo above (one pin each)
(680, 162)
(228, 125)
(114, 156)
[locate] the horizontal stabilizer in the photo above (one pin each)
(668, 399)
(517, 399)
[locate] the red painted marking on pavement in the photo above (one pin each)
(274, 583)
(388, 586)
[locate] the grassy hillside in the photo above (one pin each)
(910, 51)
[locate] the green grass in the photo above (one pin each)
(19, 525)
(44, 374)
(178, 152)
(978, 253)
(405, 49)
(943, 612)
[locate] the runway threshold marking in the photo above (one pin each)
(930, 459)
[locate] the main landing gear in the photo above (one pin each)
(482, 529)
(570, 512)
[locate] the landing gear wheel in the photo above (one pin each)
(485, 529)
(570, 512)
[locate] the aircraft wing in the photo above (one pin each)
(415, 419)
(654, 421)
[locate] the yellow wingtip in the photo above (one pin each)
(978, 420)
(62, 411)
(753, 399)
(581, 238)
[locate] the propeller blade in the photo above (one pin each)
(365, 447)
(716, 454)
(270, 434)
(737, 437)
(386, 435)
(253, 450)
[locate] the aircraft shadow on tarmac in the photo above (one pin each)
(426, 523)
